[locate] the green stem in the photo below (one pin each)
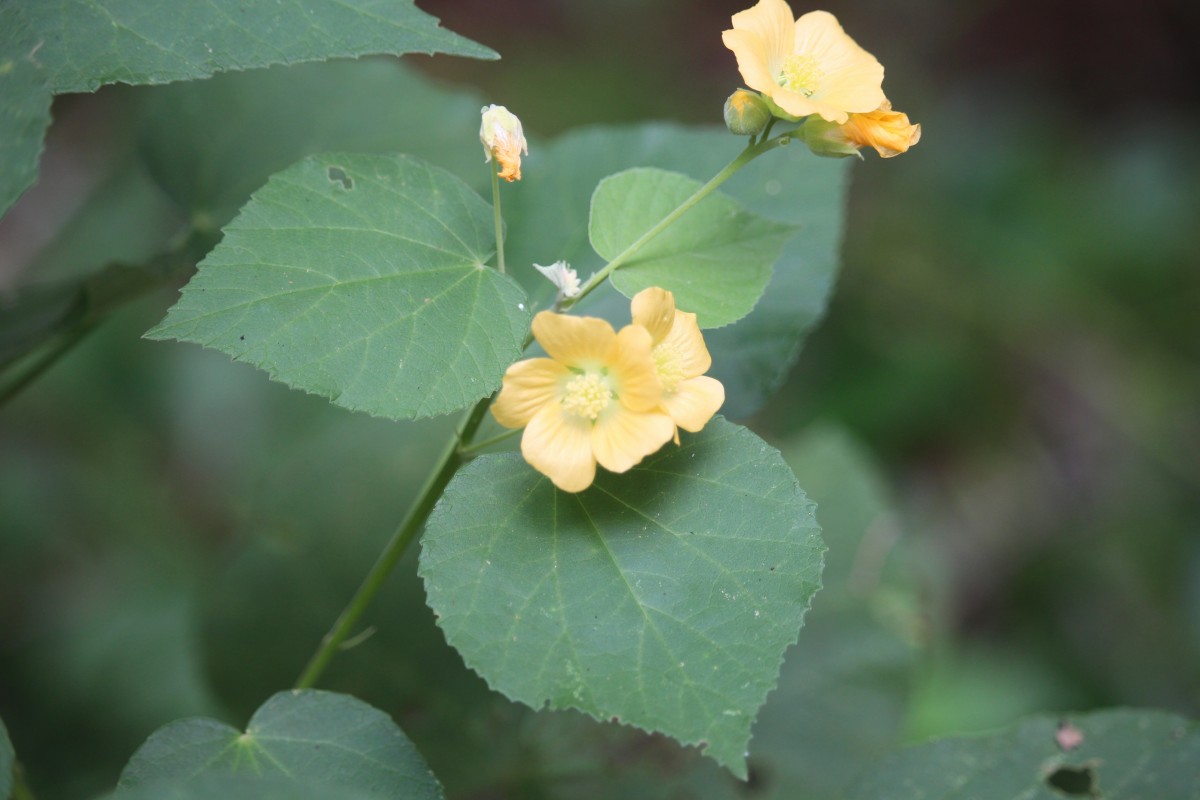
(751, 152)
(44, 361)
(499, 221)
(449, 462)
(475, 447)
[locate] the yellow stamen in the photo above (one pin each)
(587, 395)
(801, 74)
(669, 364)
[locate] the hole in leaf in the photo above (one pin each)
(1073, 781)
(338, 174)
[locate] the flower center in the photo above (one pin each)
(669, 365)
(587, 395)
(801, 74)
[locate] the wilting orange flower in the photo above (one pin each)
(502, 137)
(889, 132)
(804, 66)
(680, 359)
(596, 399)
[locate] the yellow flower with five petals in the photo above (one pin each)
(596, 399)
(804, 66)
(608, 397)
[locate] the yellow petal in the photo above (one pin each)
(631, 367)
(654, 310)
(771, 22)
(851, 79)
(528, 386)
(574, 340)
(559, 446)
(888, 131)
(695, 402)
(623, 438)
(687, 345)
(751, 54)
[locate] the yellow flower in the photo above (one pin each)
(502, 137)
(804, 66)
(889, 132)
(680, 359)
(596, 399)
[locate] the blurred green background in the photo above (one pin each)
(1013, 346)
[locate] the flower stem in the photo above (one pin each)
(475, 447)
(751, 152)
(499, 221)
(448, 464)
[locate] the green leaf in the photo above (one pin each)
(243, 786)
(362, 279)
(25, 112)
(547, 221)
(663, 597)
(1124, 755)
(311, 738)
(8, 762)
(89, 43)
(716, 258)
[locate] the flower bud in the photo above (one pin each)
(745, 113)
(502, 138)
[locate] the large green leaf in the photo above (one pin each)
(310, 738)
(1117, 755)
(716, 258)
(362, 279)
(663, 597)
(242, 786)
(89, 43)
(547, 217)
(25, 112)
(8, 762)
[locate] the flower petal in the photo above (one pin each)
(573, 340)
(528, 386)
(631, 366)
(695, 402)
(654, 310)
(751, 56)
(772, 23)
(559, 446)
(687, 342)
(623, 438)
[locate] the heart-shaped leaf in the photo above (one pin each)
(361, 278)
(89, 43)
(663, 597)
(308, 738)
(716, 258)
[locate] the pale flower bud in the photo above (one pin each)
(562, 276)
(503, 139)
(746, 113)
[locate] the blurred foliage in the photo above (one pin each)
(1014, 338)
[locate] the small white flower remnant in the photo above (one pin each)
(563, 277)
(502, 137)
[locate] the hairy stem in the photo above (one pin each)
(499, 219)
(448, 464)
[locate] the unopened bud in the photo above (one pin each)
(746, 114)
(502, 137)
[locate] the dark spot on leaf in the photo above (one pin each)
(242, 337)
(1073, 781)
(338, 174)
(772, 569)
